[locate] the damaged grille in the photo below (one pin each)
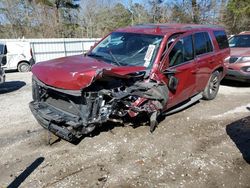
(62, 101)
(89, 107)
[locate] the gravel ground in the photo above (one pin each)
(206, 145)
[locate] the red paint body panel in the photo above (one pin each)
(187, 83)
(239, 52)
(75, 72)
(236, 70)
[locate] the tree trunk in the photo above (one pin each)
(195, 11)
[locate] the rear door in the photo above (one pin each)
(180, 61)
(205, 58)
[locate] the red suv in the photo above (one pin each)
(239, 62)
(132, 75)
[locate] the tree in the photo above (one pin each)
(179, 15)
(96, 18)
(196, 12)
(139, 14)
(111, 18)
(237, 16)
(155, 6)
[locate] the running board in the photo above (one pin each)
(191, 101)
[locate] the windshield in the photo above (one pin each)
(128, 49)
(240, 41)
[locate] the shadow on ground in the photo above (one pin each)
(239, 132)
(136, 122)
(233, 83)
(10, 71)
(140, 120)
(8, 87)
(19, 179)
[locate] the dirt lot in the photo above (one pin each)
(206, 145)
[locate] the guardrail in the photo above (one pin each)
(46, 49)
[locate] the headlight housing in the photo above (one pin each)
(245, 59)
(246, 69)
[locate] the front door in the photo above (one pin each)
(182, 68)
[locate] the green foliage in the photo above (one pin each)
(179, 15)
(239, 7)
(95, 18)
(139, 14)
(237, 16)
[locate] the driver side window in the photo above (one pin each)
(182, 51)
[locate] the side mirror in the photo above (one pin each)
(172, 80)
(169, 71)
(173, 83)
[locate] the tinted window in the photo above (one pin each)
(221, 39)
(202, 43)
(240, 41)
(182, 51)
(209, 43)
(188, 48)
(1, 49)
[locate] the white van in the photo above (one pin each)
(16, 56)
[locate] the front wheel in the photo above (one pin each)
(212, 87)
(23, 67)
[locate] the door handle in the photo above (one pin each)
(194, 71)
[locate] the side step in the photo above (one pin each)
(191, 101)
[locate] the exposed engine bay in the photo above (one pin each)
(71, 114)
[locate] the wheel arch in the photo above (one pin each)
(22, 61)
(221, 70)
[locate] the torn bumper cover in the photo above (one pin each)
(72, 114)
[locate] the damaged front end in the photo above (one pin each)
(70, 114)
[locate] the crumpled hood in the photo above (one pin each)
(76, 72)
(239, 52)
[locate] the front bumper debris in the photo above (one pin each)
(70, 116)
(50, 118)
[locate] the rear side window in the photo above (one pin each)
(221, 39)
(202, 43)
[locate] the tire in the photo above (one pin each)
(23, 67)
(212, 87)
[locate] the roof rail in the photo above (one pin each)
(244, 32)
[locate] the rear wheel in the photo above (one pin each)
(23, 67)
(212, 87)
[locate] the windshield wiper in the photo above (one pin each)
(114, 58)
(102, 57)
(95, 55)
